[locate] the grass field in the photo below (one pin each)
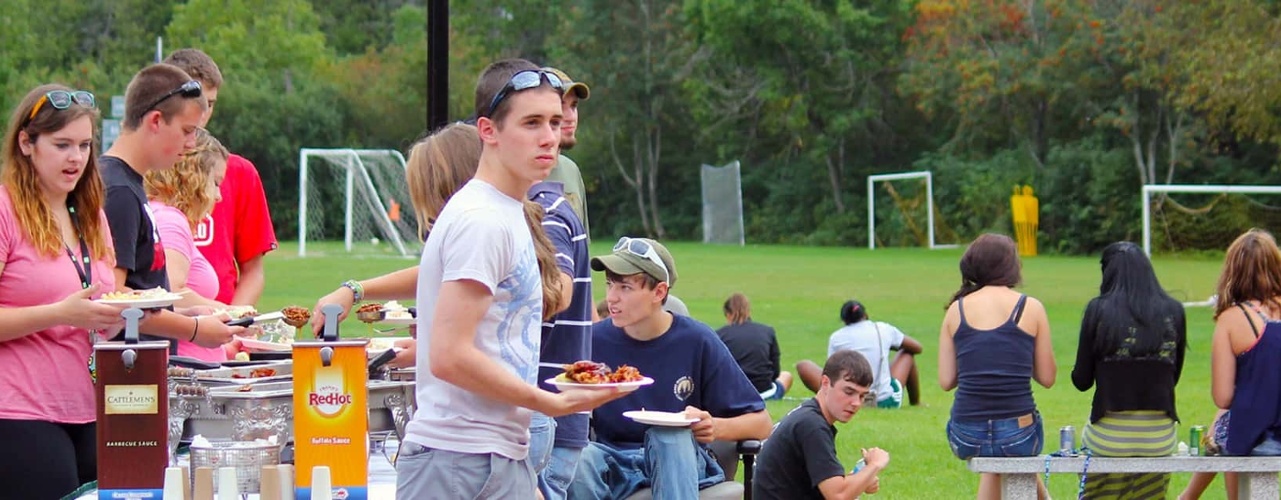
(799, 290)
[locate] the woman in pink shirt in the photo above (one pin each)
(55, 255)
(180, 197)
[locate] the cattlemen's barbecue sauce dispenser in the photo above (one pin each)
(331, 412)
(133, 414)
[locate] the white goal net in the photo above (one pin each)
(358, 197)
(1190, 218)
(902, 204)
(722, 204)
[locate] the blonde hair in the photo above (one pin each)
(20, 178)
(183, 186)
(1251, 271)
(439, 165)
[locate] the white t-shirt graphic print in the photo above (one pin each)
(481, 235)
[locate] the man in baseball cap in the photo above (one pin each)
(566, 171)
(694, 374)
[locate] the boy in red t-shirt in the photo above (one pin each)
(236, 236)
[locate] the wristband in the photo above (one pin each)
(195, 330)
(357, 291)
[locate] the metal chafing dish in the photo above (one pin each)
(262, 409)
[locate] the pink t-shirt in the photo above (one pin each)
(174, 230)
(45, 375)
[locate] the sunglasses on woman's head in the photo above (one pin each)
(524, 80)
(62, 99)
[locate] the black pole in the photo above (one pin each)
(437, 63)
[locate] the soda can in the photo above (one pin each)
(1067, 440)
(1194, 440)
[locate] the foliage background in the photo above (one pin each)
(1085, 100)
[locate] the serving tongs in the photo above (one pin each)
(262, 318)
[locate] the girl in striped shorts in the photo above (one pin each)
(1132, 341)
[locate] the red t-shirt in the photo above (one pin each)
(239, 228)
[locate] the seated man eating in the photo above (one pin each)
(693, 374)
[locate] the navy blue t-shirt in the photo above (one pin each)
(567, 337)
(690, 367)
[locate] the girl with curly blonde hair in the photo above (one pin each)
(180, 198)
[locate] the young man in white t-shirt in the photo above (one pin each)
(480, 307)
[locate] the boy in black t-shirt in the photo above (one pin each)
(163, 107)
(799, 459)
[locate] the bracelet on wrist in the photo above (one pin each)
(357, 291)
(195, 330)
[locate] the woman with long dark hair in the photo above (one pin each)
(1133, 337)
(993, 342)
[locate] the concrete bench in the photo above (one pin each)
(1257, 476)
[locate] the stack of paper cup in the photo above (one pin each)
(227, 488)
(173, 484)
(321, 485)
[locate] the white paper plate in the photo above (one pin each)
(265, 346)
(403, 321)
(143, 303)
(661, 418)
(623, 386)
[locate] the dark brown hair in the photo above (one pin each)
(848, 364)
(34, 215)
(150, 84)
(1251, 271)
(198, 65)
(992, 259)
(738, 309)
(491, 82)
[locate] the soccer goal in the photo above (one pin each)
(359, 196)
(722, 204)
(1181, 217)
(903, 210)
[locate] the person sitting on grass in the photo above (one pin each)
(799, 459)
(874, 340)
(755, 348)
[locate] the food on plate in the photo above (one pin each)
(245, 388)
(154, 293)
(369, 307)
(591, 372)
(242, 356)
(237, 312)
(256, 373)
(296, 316)
(396, 311)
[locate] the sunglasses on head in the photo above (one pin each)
(524, 80)
(644, 250)
(63, 99)
(189, 90)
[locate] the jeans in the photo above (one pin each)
(429, 474)
(671, 463)
(559, 473)
(996, 438)
(542, 431)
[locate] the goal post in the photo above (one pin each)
(1150, 189)
(366, 177)
(928, 177)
